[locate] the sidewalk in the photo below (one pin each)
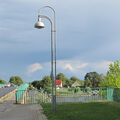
(10, 111)
(21, 112)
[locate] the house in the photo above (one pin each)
(59, 83)
(76, 84)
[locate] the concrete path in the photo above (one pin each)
(11, 111)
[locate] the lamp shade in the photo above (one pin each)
(39, 24)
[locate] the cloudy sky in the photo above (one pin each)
(88, 37)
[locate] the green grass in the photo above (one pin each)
(84, 111)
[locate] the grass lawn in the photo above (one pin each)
(84, 111)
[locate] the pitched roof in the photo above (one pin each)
(75, 84)
(58, 82)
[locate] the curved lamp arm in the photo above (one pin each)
(47, 7)
(54, 15)
(44, 16)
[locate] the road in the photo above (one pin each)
(11, 111)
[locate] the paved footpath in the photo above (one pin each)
(11, 111)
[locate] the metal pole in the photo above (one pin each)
(53, 97)
(53, 82)
(55, 53)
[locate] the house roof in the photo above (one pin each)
(75, 84)
(58, 82)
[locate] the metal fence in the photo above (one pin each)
(81, 94)
(64, 95)
(113, 94)
(32, 97)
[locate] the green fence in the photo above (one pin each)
(81, 94)
(21, 93)
(64, 95)
(113, 94)
(32, 97)
(2, 85)
(110, 94)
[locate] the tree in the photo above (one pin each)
(74, 79)
(103, 81)
(2, 81)
(31, 87)
(16, 80)
(67, 82)
(113, 75)
(88, 83)
(94, 77)
(60, 76)
(37, 84)
(46, 82)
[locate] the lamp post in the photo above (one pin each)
(40, 25)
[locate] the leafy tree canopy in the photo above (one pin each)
(2, 81)
(16, 80)
(113, 75)
(60, 76)
(88, 83)
(44, 83)
(36, 84)
(95, 79)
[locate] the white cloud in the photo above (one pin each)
(77, 67)
(33, 68)
(71, 65)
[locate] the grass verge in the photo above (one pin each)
(84, 111)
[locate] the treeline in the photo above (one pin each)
(46, 82)
(111, 80)
(92, 79)
(16, 80)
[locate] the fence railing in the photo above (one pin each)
(69, 95)
(81, 94)
(21, 93)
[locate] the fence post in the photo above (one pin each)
(110, 94)
(16, 96)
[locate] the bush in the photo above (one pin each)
(48, 91)
(103, 93)
(87, 89)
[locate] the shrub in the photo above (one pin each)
(87, 89)
(103, 93)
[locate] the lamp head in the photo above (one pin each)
(39, 24)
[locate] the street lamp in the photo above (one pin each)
(39, 24)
